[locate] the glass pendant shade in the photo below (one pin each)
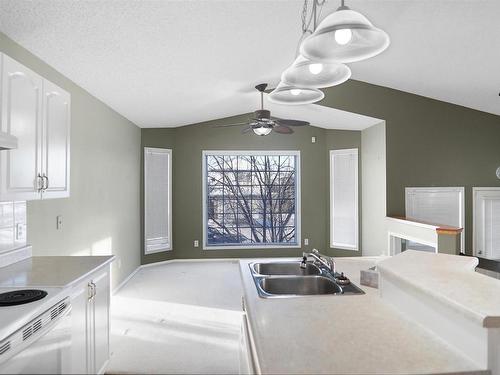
(307, 73)
(262, 130)
(293, 95)
(344, 36)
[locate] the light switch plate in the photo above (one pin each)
(306, 241)
(196, 243)
(59, 222)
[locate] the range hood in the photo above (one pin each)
(7, 141)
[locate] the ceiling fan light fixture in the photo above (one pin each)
(262, 130)
(312, 74)
(293, 95)
(344, 36)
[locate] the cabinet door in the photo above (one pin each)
(101, 321)
(55, 141)
(80, 324)
(21, 115)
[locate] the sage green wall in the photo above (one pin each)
(187, 144)
(102, 214)
(429, 142)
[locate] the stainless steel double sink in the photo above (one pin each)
(287, 279)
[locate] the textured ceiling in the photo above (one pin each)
(171, 63)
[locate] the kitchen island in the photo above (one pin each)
(343, 334)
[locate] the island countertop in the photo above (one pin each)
(452, 280)
(351, 334)
(51, 271)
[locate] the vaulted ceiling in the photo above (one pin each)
(171, 63)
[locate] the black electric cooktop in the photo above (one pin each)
(20, 297)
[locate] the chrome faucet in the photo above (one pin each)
(326, 261)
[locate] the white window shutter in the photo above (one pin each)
(437, 205)
(157, 199)
(487, 222)
(344, 199)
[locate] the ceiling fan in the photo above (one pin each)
(263, 123)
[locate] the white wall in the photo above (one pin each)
(102, 215)
(373, 190)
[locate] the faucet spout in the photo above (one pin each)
(326, 261)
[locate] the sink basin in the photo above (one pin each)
(297, 285)
(285, 268)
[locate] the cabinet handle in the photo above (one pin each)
(95, 289)
(45, 185)
(39, 182)
(90, 293)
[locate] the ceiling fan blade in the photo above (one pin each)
(246, 130)
(229, 125)
(288, 122)
(283, 129)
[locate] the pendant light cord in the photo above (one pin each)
(306, 21)
(314, 17)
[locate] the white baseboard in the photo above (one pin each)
(177, 260)
(122, 284)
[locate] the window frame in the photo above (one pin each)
(333, 244)
(296, 154)
(168, 152)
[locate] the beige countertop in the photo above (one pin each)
(50, 271)
(452, 280)
(351, 334)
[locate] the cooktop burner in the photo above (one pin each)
(20, 297)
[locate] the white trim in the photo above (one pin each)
(126, 280)
(298, 215)
(169, 230)
(414, 223)
(194, 260)
(391, 236)
(333, 244)
(474, 233)
(459, 189)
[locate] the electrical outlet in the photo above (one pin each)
(19, 231)
(196, 243)
(59, 222)
(306, 241)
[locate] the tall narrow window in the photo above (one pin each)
(251, 199)
(486, 222)
(157, 200)
(344, 199)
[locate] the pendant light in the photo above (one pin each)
(295, 95)
(344, 36)
(307, 73)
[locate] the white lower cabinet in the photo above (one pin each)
(90, 300)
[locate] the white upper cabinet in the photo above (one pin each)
(37, 112)
(21, 117)
(55, 141)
